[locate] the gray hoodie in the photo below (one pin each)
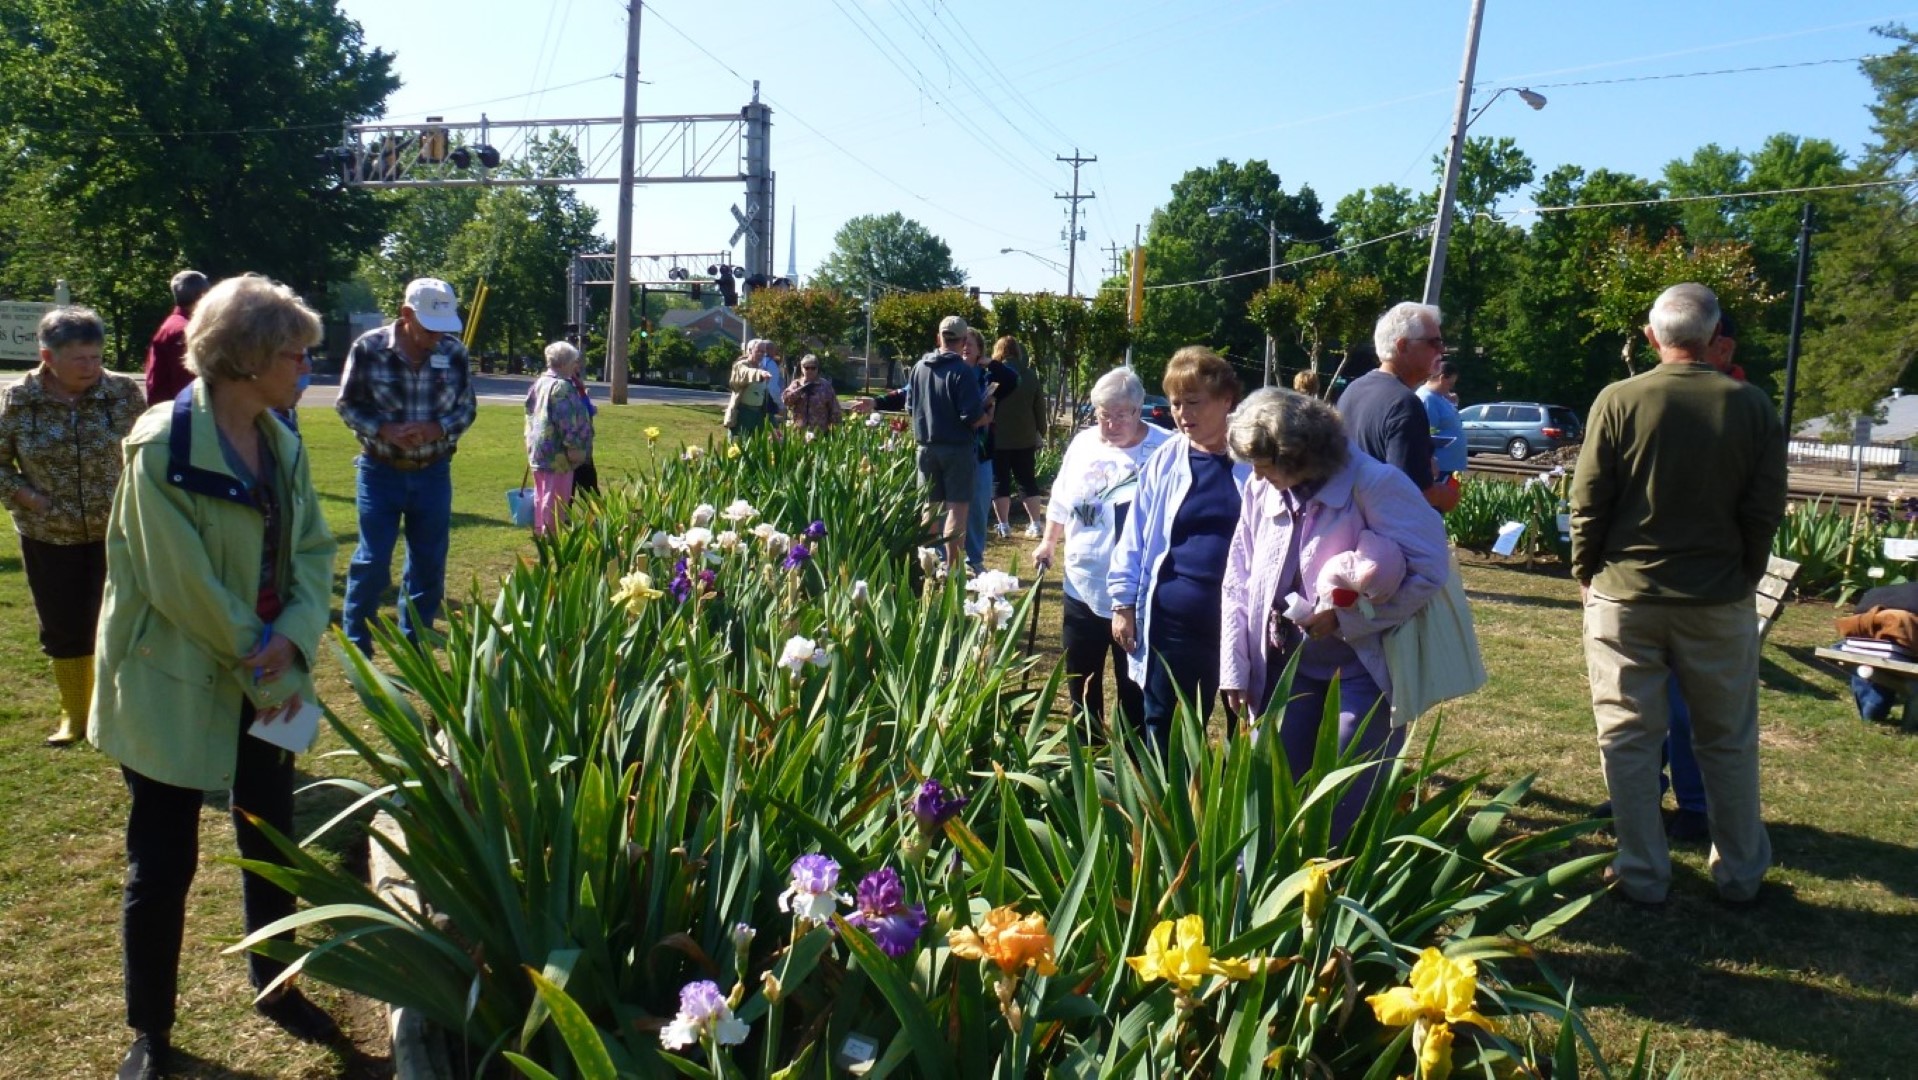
(945, 398)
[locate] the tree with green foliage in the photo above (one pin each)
(904, 325)
(1483, 257)
(1364, 219)
(1325, 307)
(885, 252)
(1186, 241)
(795, 319)
(1865, 284)
(135, 142)
(1628, 277)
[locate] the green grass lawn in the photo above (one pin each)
(1820, 982)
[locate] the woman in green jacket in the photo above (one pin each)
(219, 586)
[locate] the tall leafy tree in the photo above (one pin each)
(887, 252)
(1364, 218)
(1483, 256)
(796, 318)
(183, 133)
(1865, 287)
(1186, 241)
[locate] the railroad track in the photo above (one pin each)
(1803, 486)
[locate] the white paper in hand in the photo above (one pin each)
(295, 732)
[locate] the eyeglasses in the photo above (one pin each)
(1115, 416)
(1435, 341)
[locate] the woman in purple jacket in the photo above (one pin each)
(1314, 493)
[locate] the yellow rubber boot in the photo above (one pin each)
(74, 676)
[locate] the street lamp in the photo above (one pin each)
(1271, 261)
(1442, 233)
(1059, 266)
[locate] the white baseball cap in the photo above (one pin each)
(434, 305)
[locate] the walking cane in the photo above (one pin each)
(1032, 628)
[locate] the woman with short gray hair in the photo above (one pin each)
(60, 433)
(1316, 496)
(1090, 498)
(559, 435)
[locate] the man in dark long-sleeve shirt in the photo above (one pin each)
(166, 354)
(407, 394)
(1679, 488)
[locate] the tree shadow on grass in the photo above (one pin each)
(1842, 857)
(353, 1064)
(1774, 676)
(1749, 974)
(1521, 600)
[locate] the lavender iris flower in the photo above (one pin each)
(883, 913)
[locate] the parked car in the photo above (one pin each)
(1519, 429)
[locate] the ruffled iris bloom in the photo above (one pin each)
(932, 807)
(1177, 953)
(883, 913)
(1010, 941)
(1438, 994)
(812, 896)
(816, 531)
(682, 584)
(702, 1012)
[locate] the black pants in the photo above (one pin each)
(1181, 659)
(585, 479)
(66, 581)
(1008, 465)
(1086, 637)
(163, 850)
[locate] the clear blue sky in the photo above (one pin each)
(1340, 96)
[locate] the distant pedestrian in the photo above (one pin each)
(219, 588)
(407, 392)
(1679, 488)
(947, 403)
(1307, 383)
(559, 435)
(997, 381)
(1441, 414)
(60, 432)
(166, 370)
(1018, 434)
(767, 353)
(1381, 412)
(811, 401)
(751, 384)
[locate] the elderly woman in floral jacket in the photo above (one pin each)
(559, 434)
(60, 434)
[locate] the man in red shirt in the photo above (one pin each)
(166, 354)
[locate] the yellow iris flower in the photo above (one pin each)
(1176, 952)
(1439, 994)
(652, 435)
(732, 450)
(636, 591)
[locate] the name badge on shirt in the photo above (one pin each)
(440, 361)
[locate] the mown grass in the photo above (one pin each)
(1819, 982)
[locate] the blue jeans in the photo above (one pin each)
(980, 514)
(1688, 784)
(424, 500)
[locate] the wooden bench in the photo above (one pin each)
(1771, 593)
(1898, 676)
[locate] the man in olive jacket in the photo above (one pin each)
(1679, 487)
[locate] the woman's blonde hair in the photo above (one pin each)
(242, 323)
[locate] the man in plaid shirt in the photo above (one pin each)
(408, 395)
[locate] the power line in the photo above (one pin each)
(822, 136)
(1704, 74)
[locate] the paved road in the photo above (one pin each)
(497, 390)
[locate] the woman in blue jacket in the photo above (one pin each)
(1168, 566)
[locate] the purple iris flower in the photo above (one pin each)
(682, 585)
(933, 807)
(797, 556)
(883, 913)
(816, 531)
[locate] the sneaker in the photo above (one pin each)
(299, 1017)
(1033, 532)
(1002, 530)
(1689, 826)
(147, 1059)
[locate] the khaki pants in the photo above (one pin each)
(1631, 649)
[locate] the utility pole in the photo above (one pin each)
(620, 325)
(1073, 235)
(1442, 230)
(1116, 254)
(1797, 315)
